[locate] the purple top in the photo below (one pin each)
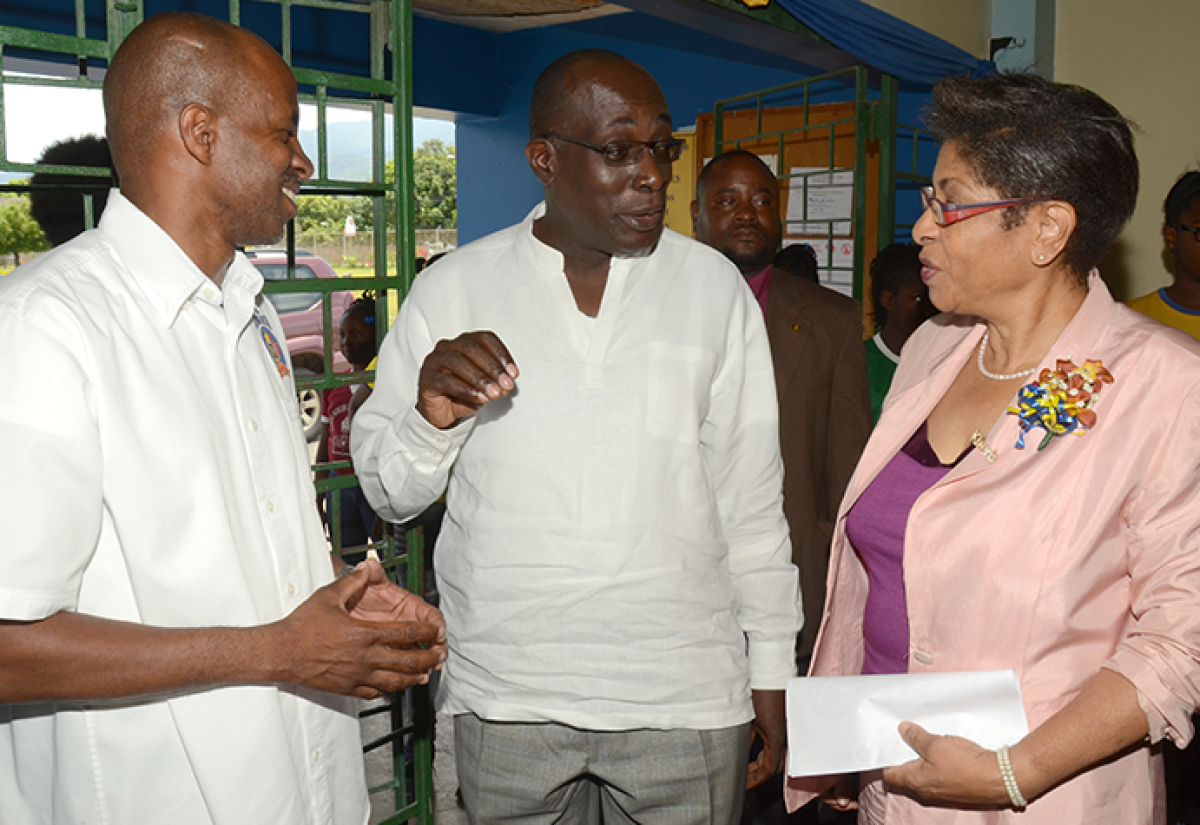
(875, 526)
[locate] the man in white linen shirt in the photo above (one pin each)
(614, 565)
(170, 641)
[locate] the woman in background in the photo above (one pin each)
(900, 303)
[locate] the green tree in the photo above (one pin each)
(322, 213)
(19, 232)
(363, 210)
(435, 186)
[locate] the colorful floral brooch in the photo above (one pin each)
(1060, 400)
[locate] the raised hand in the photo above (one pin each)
(462, 375)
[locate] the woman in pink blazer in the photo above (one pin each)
(1027, 500)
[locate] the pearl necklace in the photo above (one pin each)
(995, 376)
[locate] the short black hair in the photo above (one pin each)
(59, 209)
(1028, 137)
(798, 259)
(1181, 196)
(723, 158)
(364, 305)
(896, 266)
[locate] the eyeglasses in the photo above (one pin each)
(1195, 230)
(945, 214)
(629, 152)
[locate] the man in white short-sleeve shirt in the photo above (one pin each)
(614, 565)
(172, 647)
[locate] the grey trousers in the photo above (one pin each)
(544, 773)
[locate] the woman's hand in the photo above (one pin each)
(1103, 720)
(950, 771)
(844, 795)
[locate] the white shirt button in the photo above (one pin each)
(270, 507)
(291, 590)
(254, 424)
(316, 756)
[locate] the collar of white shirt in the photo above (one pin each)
(160, 268)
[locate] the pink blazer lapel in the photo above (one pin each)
(943, 345)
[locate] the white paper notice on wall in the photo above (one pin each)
(836, 272)
(816, 197)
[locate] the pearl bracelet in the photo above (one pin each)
(1010, 779)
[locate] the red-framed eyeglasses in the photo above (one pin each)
(945, 214)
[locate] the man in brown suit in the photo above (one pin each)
(820, 365)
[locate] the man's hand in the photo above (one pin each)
(950, 770)
(385, 601)
(462, 375)
(326, 643)
(770, 723)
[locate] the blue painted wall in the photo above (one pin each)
(454, 68)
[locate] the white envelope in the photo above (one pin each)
(841, 724)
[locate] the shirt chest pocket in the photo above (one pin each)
(680, 389)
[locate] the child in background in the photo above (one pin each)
(362, 392)
(1178, 305)
(356, 340)
(901, 304)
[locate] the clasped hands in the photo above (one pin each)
(362, 635)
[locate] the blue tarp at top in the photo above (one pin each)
(880, 40)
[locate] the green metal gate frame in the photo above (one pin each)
(389, 83)
(874, 119)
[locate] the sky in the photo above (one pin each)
(36, 116)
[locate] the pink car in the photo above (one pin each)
(300, 313)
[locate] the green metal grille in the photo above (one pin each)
(915, 150)
(387, 85)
